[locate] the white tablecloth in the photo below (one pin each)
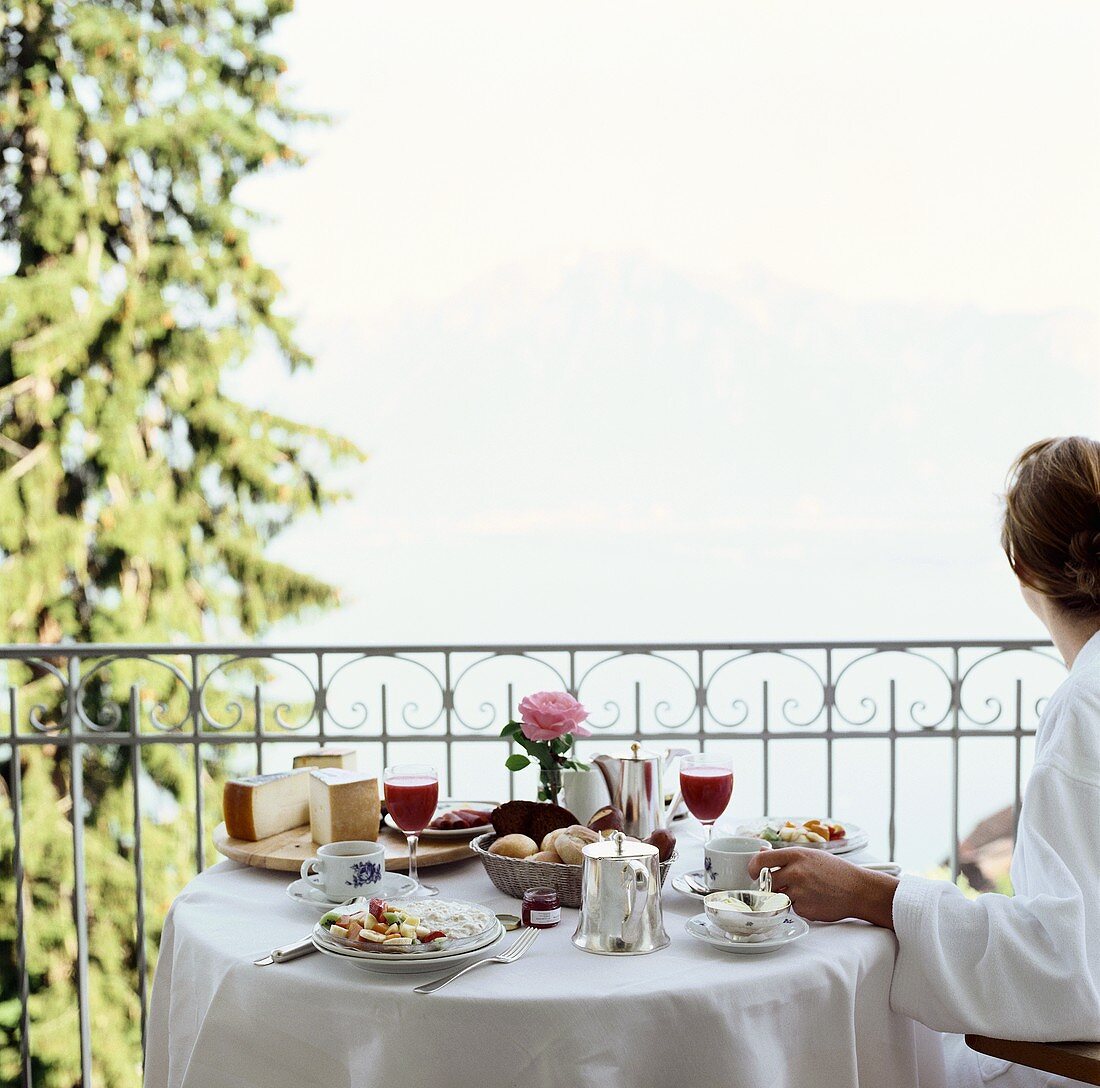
(815, 1015)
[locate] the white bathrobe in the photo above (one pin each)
(1025, 966)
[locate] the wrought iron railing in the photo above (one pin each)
(238, 706)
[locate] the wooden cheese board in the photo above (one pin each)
(287, 850)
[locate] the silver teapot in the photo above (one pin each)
(620, 899)
(634, 782)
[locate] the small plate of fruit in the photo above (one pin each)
(817, 833)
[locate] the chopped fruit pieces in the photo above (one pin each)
(389, 927)
(812, 832)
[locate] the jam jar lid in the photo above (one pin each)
(541, 893)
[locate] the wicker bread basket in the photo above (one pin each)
(513, 876)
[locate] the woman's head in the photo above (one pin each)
(1051, 531)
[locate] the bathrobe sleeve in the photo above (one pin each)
(1024, 966)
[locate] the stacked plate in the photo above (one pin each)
(411, 959)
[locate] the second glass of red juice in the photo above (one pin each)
(706, 782)
(412, 793)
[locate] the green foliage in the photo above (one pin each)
(552, 756)
(137, 498)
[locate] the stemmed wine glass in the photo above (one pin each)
(706, 783)
(412, 792)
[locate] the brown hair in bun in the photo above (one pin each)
(1051, 531)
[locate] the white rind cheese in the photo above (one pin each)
(343, 805)
(329, 756)
(266, 804)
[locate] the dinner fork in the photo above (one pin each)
(520, 945)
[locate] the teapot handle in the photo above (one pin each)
(677, 797)
(637, 884)
(672, 754)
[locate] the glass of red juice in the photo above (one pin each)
(706, 783)
(412, 792)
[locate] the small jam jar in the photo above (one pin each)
(541, 908)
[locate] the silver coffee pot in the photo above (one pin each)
(634, 783)
(620, 899)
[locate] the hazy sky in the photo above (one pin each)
(684, 322)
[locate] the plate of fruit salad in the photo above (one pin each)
(421, 928)
(818, 833)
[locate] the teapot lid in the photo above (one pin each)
(637, 754)
(619, 846)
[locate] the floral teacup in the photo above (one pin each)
(347, 869)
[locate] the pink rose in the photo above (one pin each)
(547, 715)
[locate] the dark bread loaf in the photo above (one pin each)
(535, 819)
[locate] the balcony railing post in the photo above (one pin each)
(80, 905)
(448, 723)
(956, 699)
(196, 722)
(16, 788)
(385, 725)
(1018, 747)
(764, 737)
(829, 696)
(511, 749)
(139, 865)
(258, 703)
(321, 698)
(892, 826)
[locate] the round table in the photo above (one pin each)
(813, 1015)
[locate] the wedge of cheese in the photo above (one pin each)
(330, 756)
(343, 805)
(266, 804)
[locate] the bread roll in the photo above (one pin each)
(545, 855)
(572, 841)
(514, 846)
(550, 838)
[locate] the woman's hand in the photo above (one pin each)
(825, 888)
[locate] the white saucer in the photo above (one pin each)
(791, 929)
(684, 888)
(394, 886)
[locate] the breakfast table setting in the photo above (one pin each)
(569, 944)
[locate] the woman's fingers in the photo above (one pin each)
(773, 859)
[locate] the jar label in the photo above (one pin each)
(545, 917)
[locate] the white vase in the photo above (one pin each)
(583, 793)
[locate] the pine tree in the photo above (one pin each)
(137, 497)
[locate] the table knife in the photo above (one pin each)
(287, 952)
